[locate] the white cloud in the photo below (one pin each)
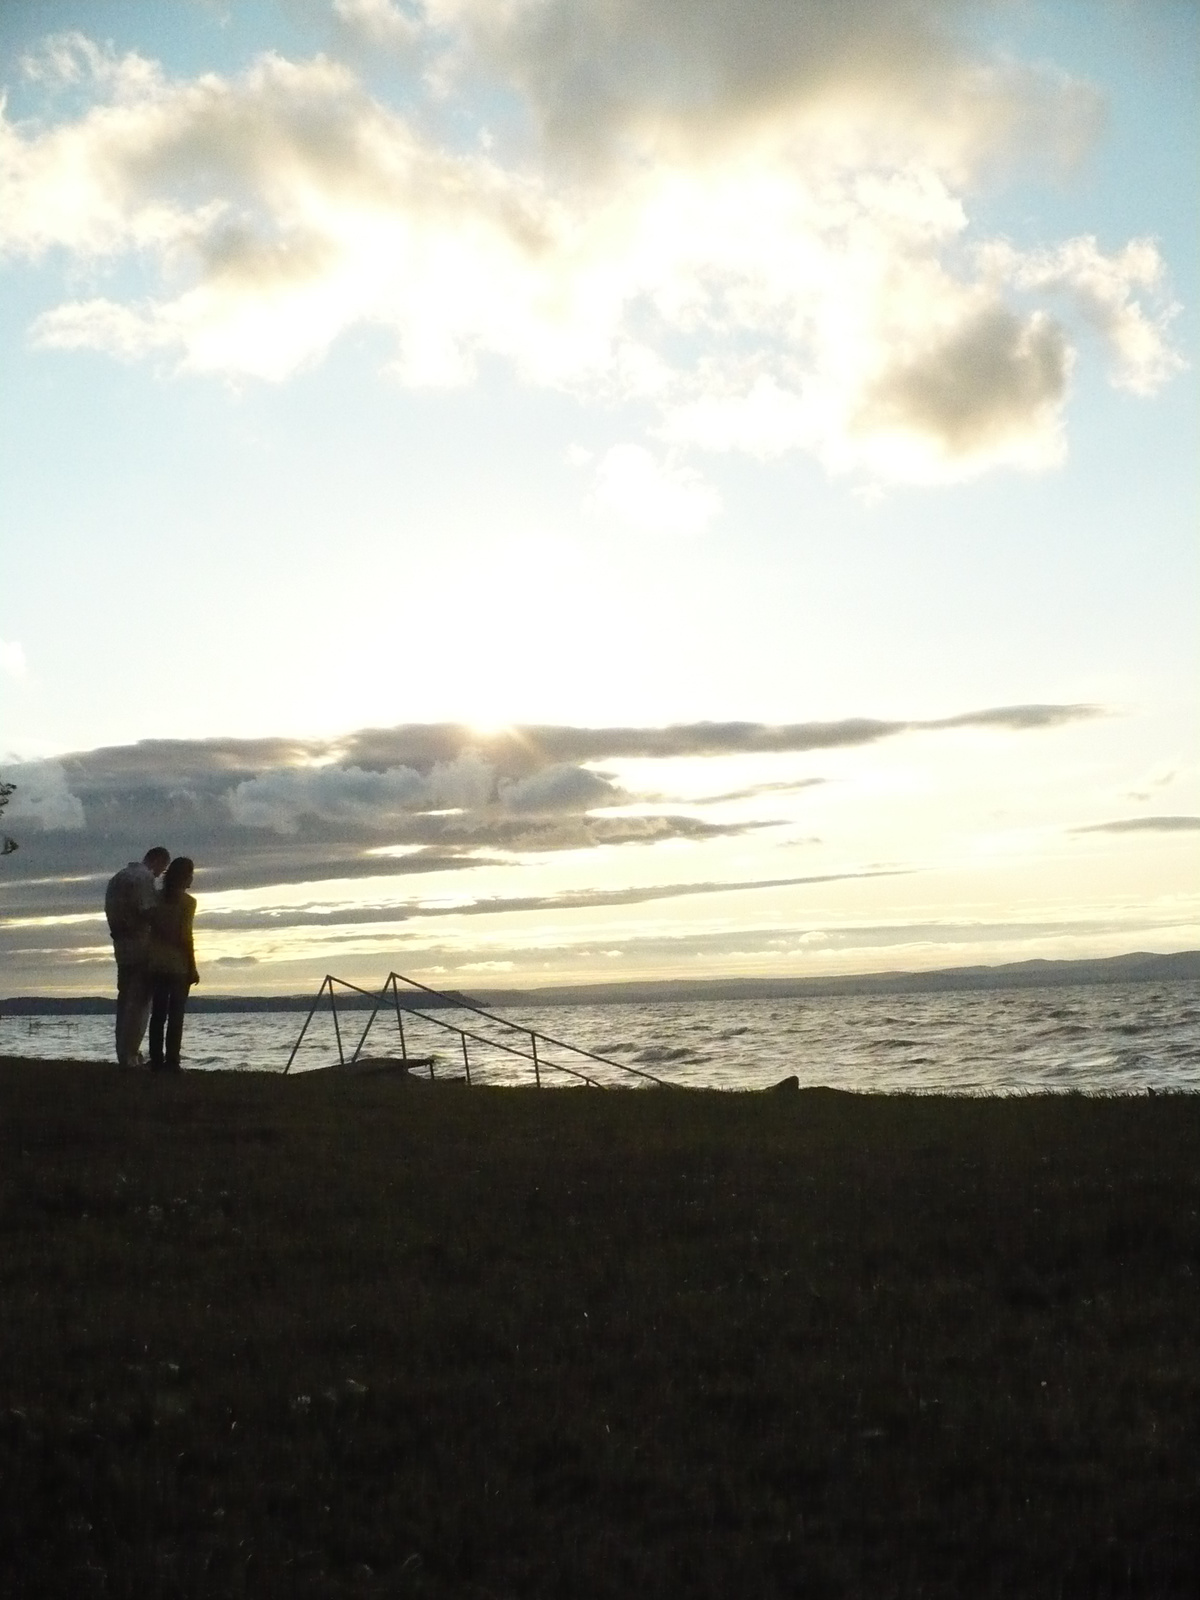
(1103, 288)
(467, 782)
(278, 800)
(12, 659)
(69, 59)
(671, 80)
(654, 496)
(380, 22)
(749, 217)
(43, 797)
(556, 789)
(282, 207)
(281, 799)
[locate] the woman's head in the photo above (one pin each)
(178, 877)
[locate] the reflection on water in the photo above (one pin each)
(1099, 1039)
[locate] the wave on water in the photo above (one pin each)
(1101, 1039)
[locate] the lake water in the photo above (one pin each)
(1102, 1039)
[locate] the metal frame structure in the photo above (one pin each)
(392, 984)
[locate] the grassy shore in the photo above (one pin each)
(319, 1337)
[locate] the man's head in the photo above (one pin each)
(158, 859)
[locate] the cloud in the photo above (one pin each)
(558, 788)
(68, 59)
(353, 795)
(660, 78)
(65, 931)
(988, 391)
(12, 660)
(397, 802)
(379, 22)
(386, 809)
(754, 790)
(1144, 825)
(1160, 777)
(43, 798)
(749, 217)
(281, 206)
(495, 905)
(517, 751)
(278, 800)
(1102, 287)
(1018, 719)
(654, 496)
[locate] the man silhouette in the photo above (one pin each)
(130, 897)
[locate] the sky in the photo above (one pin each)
(530, 492)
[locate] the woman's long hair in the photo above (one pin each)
(177, 877)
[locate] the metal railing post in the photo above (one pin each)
(307, 1020)
(537, 1071)
(466, 1057)
(337, 1030)
(399, 1017)
(365, 1032)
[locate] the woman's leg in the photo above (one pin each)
(177, 1006)
(160, 1001)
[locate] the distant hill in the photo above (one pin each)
(1139, 967)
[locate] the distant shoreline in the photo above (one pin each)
(1136, 967)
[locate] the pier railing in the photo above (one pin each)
(388, 999)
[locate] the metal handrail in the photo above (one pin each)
(561, 1044)
(464, 1033)
(498, 1044)
(393, 981)
(451, 1027)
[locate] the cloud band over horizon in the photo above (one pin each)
(418, 800)
(343, 844)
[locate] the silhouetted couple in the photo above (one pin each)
(151, 931)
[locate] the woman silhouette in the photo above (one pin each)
(172, 963)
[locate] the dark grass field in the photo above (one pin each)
(322, 1337)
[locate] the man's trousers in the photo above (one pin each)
(133, 1011)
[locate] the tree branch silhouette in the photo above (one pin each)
(7, 844)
